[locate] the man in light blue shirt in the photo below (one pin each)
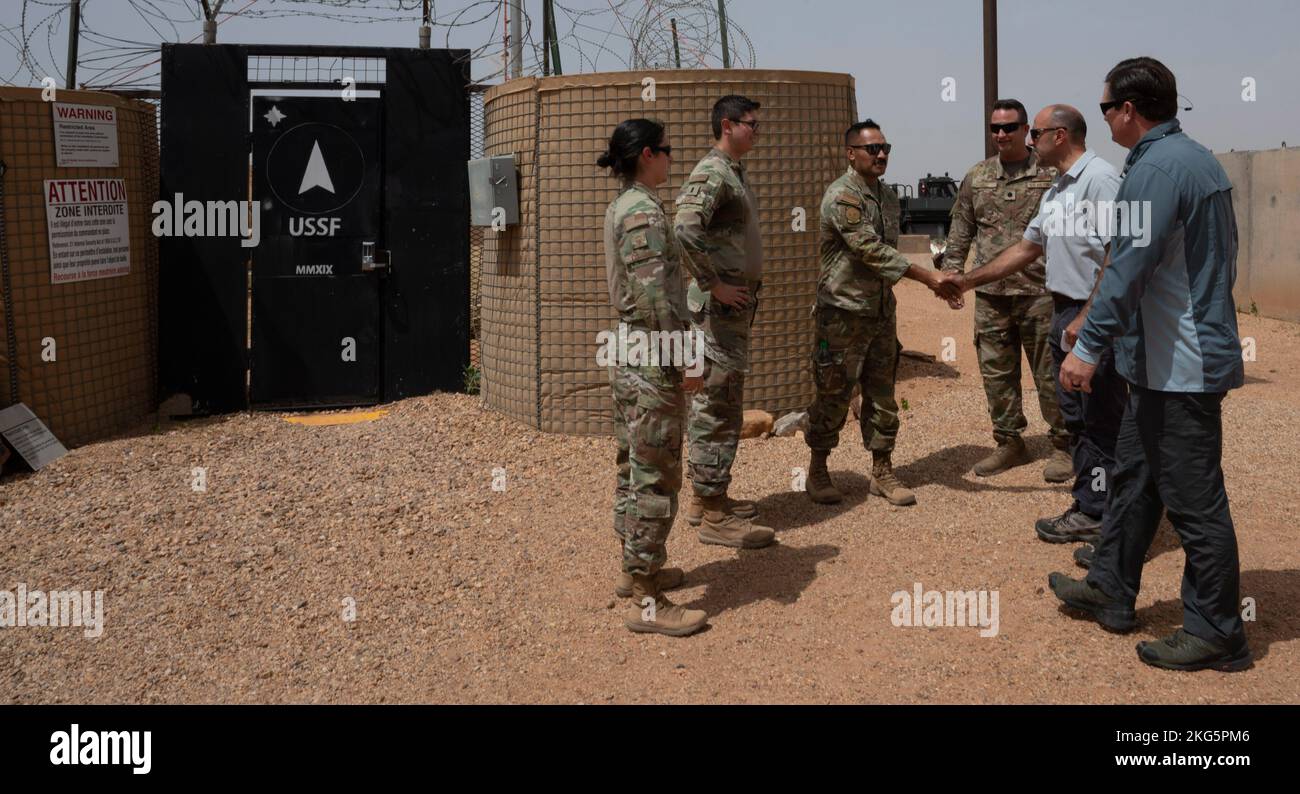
(1165, 307)
(1073, 229)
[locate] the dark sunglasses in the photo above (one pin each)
(1007, 128)
(752, 124)
(872, 149)
(668, 150)
(1114, 103)
(1037, 131)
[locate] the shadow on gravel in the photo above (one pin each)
(911, 365)
(1274, 594)
(777, 573)
(951, 467)
(793, 509)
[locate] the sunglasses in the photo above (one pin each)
(1007, 128)
(752, 124)
(1114, 103)
(668, 150)
(872, 149)
(1037, 131)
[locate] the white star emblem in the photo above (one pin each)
(274, 116)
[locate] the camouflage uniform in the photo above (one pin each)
(856, 333)
(994, 207)
(646, 288)
(717, 226)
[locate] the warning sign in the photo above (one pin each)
(85, 135)
(29, 436)
(89, 233)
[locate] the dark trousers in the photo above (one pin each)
(1168, 454)
(1092, 418)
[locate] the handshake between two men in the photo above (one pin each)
(950, 285)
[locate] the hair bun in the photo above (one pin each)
(606, 160)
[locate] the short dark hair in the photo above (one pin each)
(731, 106)
(854, 129)
(1012, 104)
(627, 142)
(1072, 120)
(1148, 84)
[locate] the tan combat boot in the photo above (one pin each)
(666, 579)
(728, 529)
(1060, 467)
(695, 511)
(652, 612)
(1008, 454)
(819, 486)
(885, 483)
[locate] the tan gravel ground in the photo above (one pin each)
(464, 594)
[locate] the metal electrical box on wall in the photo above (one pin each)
(493, 185)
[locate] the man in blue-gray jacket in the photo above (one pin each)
(1165, 308)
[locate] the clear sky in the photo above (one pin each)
(900, 53)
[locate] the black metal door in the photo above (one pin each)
(316, 321)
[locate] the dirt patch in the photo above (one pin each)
(463, 593)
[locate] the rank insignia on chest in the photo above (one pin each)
(1010, 195)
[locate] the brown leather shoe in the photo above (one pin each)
(819, 486)
(666, 579)
(694, 511)
(1008, 455)
(885, 483)
(1060, 467)
(728, 529)
(652, 612)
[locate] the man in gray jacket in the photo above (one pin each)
(1165, 308)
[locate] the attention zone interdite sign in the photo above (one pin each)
(89, 233)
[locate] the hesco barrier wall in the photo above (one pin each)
(543, 288)
(101, 334)
(1266, 198)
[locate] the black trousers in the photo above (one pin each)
(1092, 419)
(1168, 461)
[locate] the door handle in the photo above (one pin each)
(370, 263)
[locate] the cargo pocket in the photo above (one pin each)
(704, 455)
(649, 505)
(828, 371)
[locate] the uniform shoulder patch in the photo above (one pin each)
(636, 220)
(698, 176)
(849, 198)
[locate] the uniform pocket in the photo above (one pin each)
(653, 505)
(828, 371)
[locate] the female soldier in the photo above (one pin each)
(646, 289)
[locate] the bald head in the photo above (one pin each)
(1071, 119)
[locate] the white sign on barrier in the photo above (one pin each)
(85, 135)
(89, 233)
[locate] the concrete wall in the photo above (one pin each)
(1266, 198)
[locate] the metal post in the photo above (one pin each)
(425, 29)
(74, 36)
(555, 41)
(546, 38)
(677, 50)
(990, 71)
(517, 39)
(210, 21)
(722, 23)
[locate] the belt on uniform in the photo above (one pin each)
(1060, 301)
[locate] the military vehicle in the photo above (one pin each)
(927, 210)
